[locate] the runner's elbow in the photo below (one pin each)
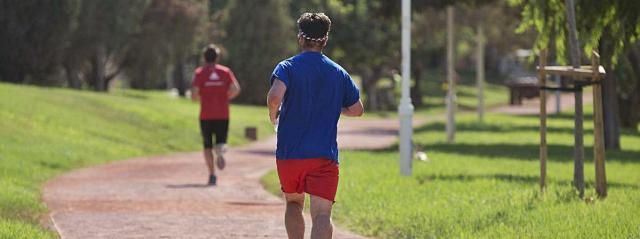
(274, 100)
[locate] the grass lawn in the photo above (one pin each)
(486, 185)
(45, 132)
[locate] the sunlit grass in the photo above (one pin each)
(485, 185)
(44, 132)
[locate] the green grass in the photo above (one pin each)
(485, 185)
(45, 132)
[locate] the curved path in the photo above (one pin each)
(165, 196)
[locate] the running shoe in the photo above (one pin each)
(220, 162)
(212, 180)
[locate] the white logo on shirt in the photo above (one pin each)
(214, 76)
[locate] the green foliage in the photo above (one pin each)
(46, 132)
(486, 185)
(169, 33)
(615, 23)
(259, 34)
(102, 39)
(34, 35)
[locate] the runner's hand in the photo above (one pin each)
(274, 117)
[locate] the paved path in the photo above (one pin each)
(165, 196)
(532, 106)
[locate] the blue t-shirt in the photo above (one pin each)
(317, 90)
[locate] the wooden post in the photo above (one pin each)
(451, 93)
(578, 153)
(480, 72)
(598, 133)
(251, 133)
(543, 119)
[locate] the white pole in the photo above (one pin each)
(480, 72)
(451, 93)
(405, 110)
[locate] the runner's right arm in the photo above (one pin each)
(274, 98)
(195, 93)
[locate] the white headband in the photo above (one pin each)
(311, 38)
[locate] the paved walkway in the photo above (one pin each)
(165, 196)
(532, 106)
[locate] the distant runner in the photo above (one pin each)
(214, 85)
(308, 93)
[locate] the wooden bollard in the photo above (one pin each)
(251, 133)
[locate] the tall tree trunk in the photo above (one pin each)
(370, 79)
(416, 91)
(610, 112)
(97, 78)
(178, 78)
(73, 81)
(630, 106)
(578, 170)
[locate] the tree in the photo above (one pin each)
(102, 39)
(259, 34)
(33, 38)
(612, 27)
(168, 36)
(366, 40)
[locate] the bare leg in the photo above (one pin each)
(321, 218)
(208, 158)
(293, 219)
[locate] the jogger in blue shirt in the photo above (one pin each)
(308, 94)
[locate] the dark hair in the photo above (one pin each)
(314, 27)
(211, 53)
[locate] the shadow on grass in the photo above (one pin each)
(588, 117)
(560, 153)
(524, 179)
(492, 128)
(188, 185)
(529, 152)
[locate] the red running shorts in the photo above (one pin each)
(315, 176)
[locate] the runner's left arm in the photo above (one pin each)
(234, 88)
(195, 94)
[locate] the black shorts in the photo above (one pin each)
(218, 127)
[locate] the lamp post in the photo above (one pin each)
(405, 110)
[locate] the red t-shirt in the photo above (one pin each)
(213, 82)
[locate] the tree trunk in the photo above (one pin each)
(178, 78)
(370, 79)
(610, 110)
(416, 91)
(630, 106)
(73, 81)
(97, 78)
(578, 170)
